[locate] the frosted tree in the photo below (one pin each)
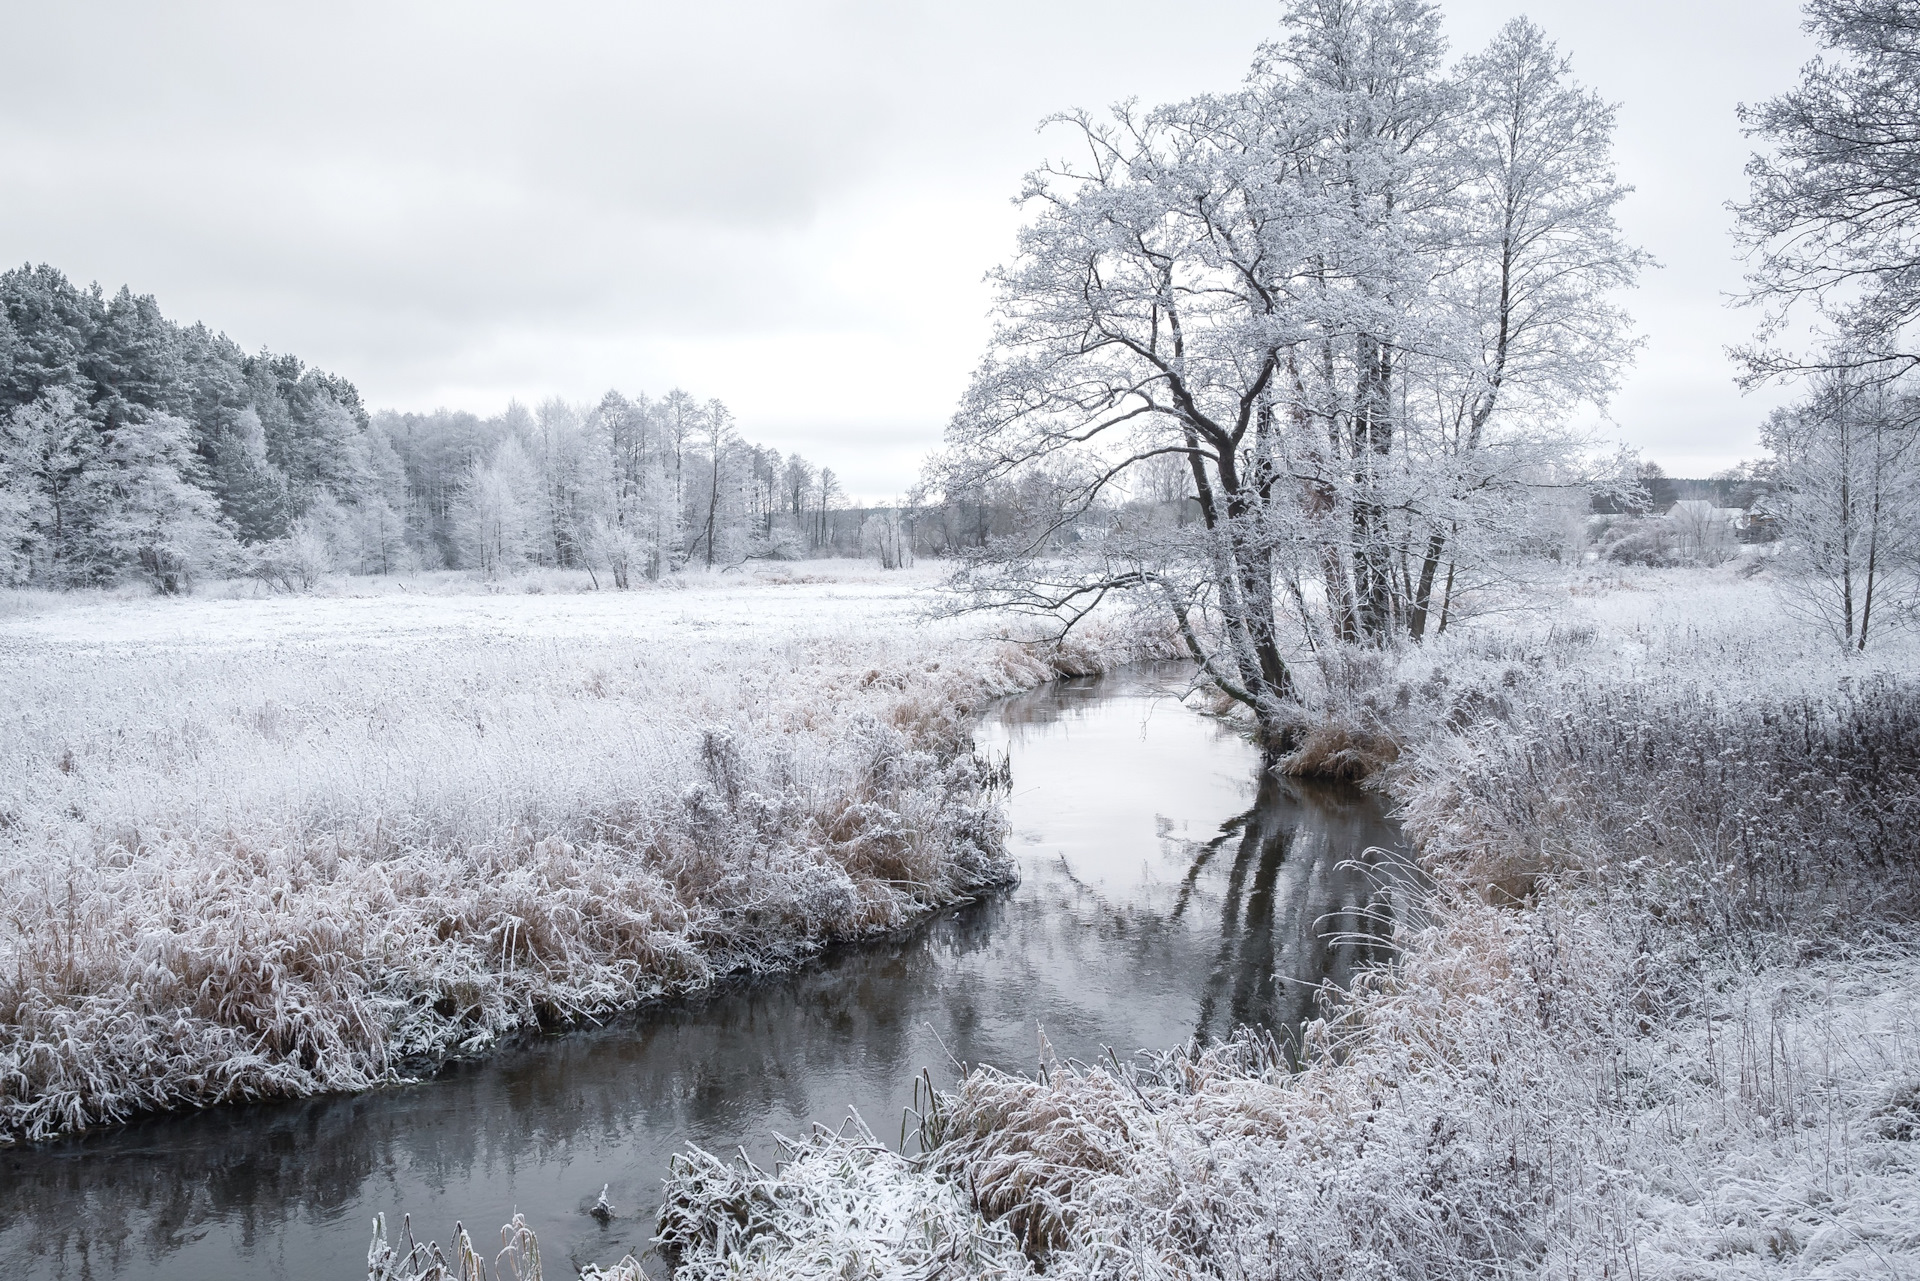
(15, 528)
(1533, 257)
(1703, 534)
(1847, 461)
(630, 497)
(826, 494)
(718, 513)
(680, 421)
(643, 534)
(380, 535)
(1829, 226)
(148, 514)
(767, 465)
(884, 537)
(48, 447)
(18, 500)
(656, 519)
(86, 506)
(796, 482)
(495, 516)
(572, 471)
(381, 528)
(1203, 264)
(252, 491)
(1264, 287)
(338, 528)
(1835, 197)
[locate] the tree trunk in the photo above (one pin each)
(1372, 443)
(1423, 593)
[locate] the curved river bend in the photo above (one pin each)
(1167, 891)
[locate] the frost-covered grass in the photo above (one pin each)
(259, 847)
(1662, 1021)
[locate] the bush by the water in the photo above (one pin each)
(1662, 1020)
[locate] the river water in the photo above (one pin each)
(1168, 891)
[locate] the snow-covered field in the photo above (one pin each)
(1664, 1020)
(813, 598)
(284, 845)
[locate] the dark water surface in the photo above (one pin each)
(1167, 891)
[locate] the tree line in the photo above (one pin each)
(132, 446)
(628, 487)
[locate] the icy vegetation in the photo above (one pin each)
(1663, 1019)
(256, 848)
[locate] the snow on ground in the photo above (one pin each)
(465, 713)
(1663, 1021)
(820, 596)
(283, 846)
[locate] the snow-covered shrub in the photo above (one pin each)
(296, 563)
(1650, 541)
(1354, 729)
(869, 1211)
(1755, 816)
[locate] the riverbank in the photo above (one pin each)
(1663, 1018)
(1165, 889)
(260, 848)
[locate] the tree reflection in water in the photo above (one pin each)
(1307, 902)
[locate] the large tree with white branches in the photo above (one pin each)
(1348, 308)
(1832, 220)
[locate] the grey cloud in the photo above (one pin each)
(457, 200)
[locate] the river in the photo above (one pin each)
(1167, 891)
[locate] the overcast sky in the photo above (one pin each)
(789, 205)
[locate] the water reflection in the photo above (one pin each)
(1168, 890)
(1309, 898)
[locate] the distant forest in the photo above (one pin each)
(131, 445)
(135, 447)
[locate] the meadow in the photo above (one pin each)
(1661, 1017)
(264, 846)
